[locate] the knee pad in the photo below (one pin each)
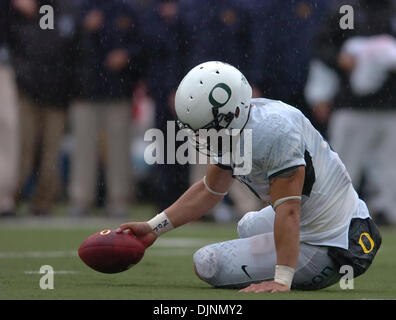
(206, 264)
(244, 225)
(256, 222)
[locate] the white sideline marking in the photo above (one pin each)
(173, 252)
(182, 242)
(176, 246)
(37, 254)
(55, 272)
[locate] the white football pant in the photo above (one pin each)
(252, 258)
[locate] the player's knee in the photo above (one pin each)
(206, 264)
(256, 222)
(244, 225)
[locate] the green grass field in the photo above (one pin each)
(166, 271)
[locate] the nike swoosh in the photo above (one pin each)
(244, 270)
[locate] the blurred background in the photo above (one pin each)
(76, 100)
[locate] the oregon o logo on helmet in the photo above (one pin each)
(215, 103)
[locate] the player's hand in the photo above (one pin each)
(256, 92)
(267, 286)
(27, 7)
(117, 59)
(93, 20)
(346, 62)
(141, 230)
(322, 112)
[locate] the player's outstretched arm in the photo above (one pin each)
(198, 200)
(285, 191)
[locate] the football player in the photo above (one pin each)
(314, 222)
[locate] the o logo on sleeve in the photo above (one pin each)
(371, 241)
(105, 232)
(219, 98)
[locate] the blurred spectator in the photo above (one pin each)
(108, 67)
(220, 30)
(143, 118)
(282, 47)
(362, 128)
(261, 40)
(217, 30)
(142, 5)
(8, 122)
(165, 41)
(106, 47)
(43, 63)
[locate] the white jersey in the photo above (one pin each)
(282, 137)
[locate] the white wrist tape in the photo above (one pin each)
(284, 275)
(282, 200)
(160, 223)
(212, 191)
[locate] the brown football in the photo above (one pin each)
(110, 252)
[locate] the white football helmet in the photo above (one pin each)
(213, 95)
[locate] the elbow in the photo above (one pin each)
(290, 210)
(296, 214)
